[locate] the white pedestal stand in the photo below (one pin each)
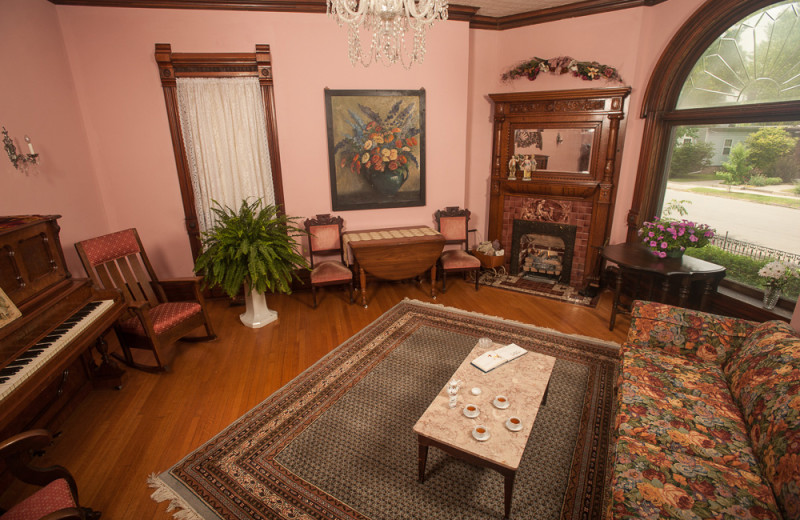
(256, 313)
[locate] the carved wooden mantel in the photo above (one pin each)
(591, 188)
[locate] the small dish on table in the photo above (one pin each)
(471, 411)
(481, 433)
(501, 402)
(514, 424)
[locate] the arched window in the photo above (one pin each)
(722, 113)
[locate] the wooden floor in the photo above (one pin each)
(116, 438)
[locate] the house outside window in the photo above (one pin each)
(726, 148)
(743, 89)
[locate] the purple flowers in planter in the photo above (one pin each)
(661, 236)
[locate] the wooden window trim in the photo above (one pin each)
(660, 115)
(173, 65)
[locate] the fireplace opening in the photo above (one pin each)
(542, 251)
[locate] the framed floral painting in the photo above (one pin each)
(376, 148)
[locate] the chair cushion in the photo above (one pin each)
(453, 228)
(164, 316)
(325, 237)
(54, 496)
(110, 247)
(330, 272)
(458, 259)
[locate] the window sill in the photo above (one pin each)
(730, 302)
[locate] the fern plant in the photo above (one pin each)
(253, 245)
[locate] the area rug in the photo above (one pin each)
(337, 441)
(553, 291)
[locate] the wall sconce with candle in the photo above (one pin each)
(18, 159)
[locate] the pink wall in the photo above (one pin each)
(631, 40)
(38, 98)
(111, 54)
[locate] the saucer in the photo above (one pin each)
(476, 412)
(501, 402)
(514, 427)
(481, 436)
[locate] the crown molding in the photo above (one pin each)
(461, 13)
(552, 14)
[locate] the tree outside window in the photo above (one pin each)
(748, 191)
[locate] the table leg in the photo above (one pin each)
(664, 289)
(433, 281)
(509, 488)
(707, 289)
(615, 303)
(363, 277)
(544, 397)
(423, 460)
(683, 292)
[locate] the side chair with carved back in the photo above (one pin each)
(453, 223)
(325, 240)
(57, 496)
(160, 312)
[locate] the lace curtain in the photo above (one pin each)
(225, 134)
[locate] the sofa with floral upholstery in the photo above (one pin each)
(708, 418)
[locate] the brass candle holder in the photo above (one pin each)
(19, 159)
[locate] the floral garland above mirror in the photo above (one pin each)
(587, 70)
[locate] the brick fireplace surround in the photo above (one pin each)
(574, 212)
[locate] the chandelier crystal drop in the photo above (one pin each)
(388, 21)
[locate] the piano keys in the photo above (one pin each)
(45, 363)
(18, 370)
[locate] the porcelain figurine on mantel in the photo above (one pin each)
(527, 167)
(512, 168)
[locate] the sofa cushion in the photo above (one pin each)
(764, 377)
(684, 332)
(682, 406)
(653, 483)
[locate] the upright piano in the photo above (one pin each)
(45, 364)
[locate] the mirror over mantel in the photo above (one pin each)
(558, 153)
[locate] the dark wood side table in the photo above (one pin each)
(635, 258)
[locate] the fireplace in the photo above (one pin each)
(542, 250)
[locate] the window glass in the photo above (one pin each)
(750, 195)
(757, 60)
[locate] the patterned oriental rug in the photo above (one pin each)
(337, 441)
(554, 291)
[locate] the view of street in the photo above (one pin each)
(770, 226)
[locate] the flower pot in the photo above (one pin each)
(675, 253)
(388, 182)
(256, 313)
(771, 296)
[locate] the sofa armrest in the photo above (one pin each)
(685, 332)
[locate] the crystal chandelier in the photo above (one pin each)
(388, 20)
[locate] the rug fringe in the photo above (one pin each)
(612, 344)
(163, 492)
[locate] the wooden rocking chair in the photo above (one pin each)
(159, 311)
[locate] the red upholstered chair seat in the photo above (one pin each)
(458, 259)
(53, 497)
(330, 272)
(164, 316)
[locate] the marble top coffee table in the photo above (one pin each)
(523, 381)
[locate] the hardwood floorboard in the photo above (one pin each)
(116, 438)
